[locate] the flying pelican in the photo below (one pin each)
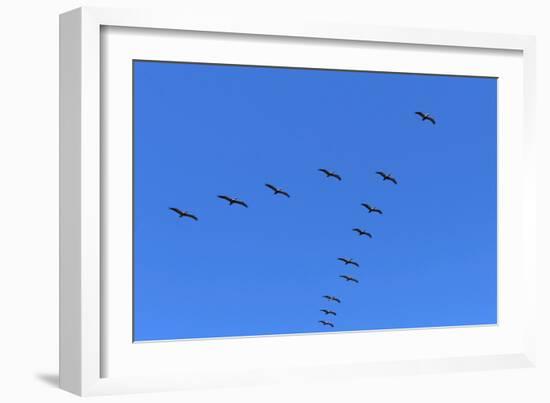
(277, 190)
(328, 312)
(348, 261)
(426, 116)
(233, 201)
(349, 278)
(329, 174)
(371, 208)
(331, 298)
(387, 177)
(362, 232)
(184, 213)
(325, 323)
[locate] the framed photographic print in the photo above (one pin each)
(247, 202)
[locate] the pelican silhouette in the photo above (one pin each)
(233, 201)
(371, 208)
(184, 213)
(325, 323)
(329, 174)
(332, 298)
(348, 261)
(349, 278)
(277, 190)
(426, 116)
(387, 177)
(361, 232)
(328, 312)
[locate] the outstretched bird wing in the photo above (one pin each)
(240, 202)
(271, 187)
(194, 217)
(366, 206)
(284, 193)
(343, 260)
(431, 119)
(358, 230)
(336, 299)
(421, 114)
(368, 234)
(337, 176)
(177, 210)
(327, 173)
(382, 174)
(225, 198)
(375, 210)
(392, 180)
(354, 263)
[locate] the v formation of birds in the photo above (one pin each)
(360, 232)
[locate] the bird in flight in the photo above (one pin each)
(387, 177)
(371, 208)
(325, 323)
(329, 174)
(426, 116)
(332, 298)
(277, 190)
(349, 278)
(361, 232)
(348, 261)
(184, 213)
(328, 312)
(233, 201)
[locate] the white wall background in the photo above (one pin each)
(29, 201)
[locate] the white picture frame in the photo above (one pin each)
(97, 355)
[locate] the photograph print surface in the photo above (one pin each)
(273, 201)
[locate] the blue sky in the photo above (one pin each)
(204, 130)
